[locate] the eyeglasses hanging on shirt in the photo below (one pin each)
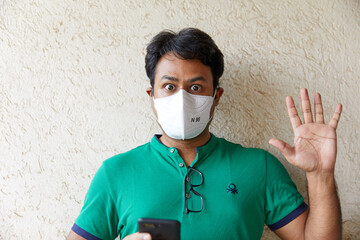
(193, 200)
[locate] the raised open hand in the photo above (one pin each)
(314, 148)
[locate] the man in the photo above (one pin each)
(239, 189)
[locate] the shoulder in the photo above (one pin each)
(236, 148)
(125, 159)
(257, 158)
(251, 160)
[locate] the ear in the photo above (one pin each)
(219, 93)
(149, 91)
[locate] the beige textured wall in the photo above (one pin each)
(72, 91)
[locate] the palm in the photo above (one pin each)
(314, 147)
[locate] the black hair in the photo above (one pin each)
(189, 43)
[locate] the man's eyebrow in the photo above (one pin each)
(191, 80)
(166, 77)
(199, 78)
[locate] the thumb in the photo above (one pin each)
(283, 147)
(138, 236)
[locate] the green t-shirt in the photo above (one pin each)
(242, 189)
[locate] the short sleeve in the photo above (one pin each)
(98, 215)
(282, 196)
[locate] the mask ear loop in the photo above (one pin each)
(215, 93)
(214, 97)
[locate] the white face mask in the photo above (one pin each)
(183, 115)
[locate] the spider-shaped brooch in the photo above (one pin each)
(232, 188)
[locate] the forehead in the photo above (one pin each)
(171, 65)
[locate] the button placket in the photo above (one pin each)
(173, 150)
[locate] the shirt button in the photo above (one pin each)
(188, 195)
(172, 150)
(181, 164)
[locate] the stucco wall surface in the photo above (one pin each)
(72, 91)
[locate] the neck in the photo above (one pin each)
(187, 147)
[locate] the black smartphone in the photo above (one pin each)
(160, 229)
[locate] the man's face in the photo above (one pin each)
(173, 73)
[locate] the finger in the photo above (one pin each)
(284, 148)
(306, 106)
(319, 114)
(138, 236)
(336, 116)
(292, 112)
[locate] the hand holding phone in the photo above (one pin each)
(138, 236)
(160, 229)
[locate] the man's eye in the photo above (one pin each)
(195, 88)
(169, 87)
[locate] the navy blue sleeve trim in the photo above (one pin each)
(81, 232)
(294, 214)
